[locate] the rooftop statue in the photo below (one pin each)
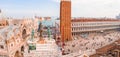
(48, 32)
(32, 35)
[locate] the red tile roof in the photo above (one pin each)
(93, 19)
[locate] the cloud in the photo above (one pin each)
(56, 0)
(94, 8)
(28, 12)
(80, 8)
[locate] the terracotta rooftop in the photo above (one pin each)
(93, 19)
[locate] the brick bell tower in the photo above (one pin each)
(65, 20)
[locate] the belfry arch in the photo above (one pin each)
(17, 54)
(24, 33)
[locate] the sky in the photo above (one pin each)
(80, 8)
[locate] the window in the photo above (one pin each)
(3, 24)
(1, 46)
(11, 45)
(18, 34)
(18, 41)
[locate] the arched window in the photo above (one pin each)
(1, 46)
(23, 33)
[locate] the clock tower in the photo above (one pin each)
(65, 20)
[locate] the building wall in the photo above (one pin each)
(78, 27)
(3, 23)
(12, 38)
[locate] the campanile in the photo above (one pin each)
(65, 20)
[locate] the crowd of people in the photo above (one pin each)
(94, 41)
